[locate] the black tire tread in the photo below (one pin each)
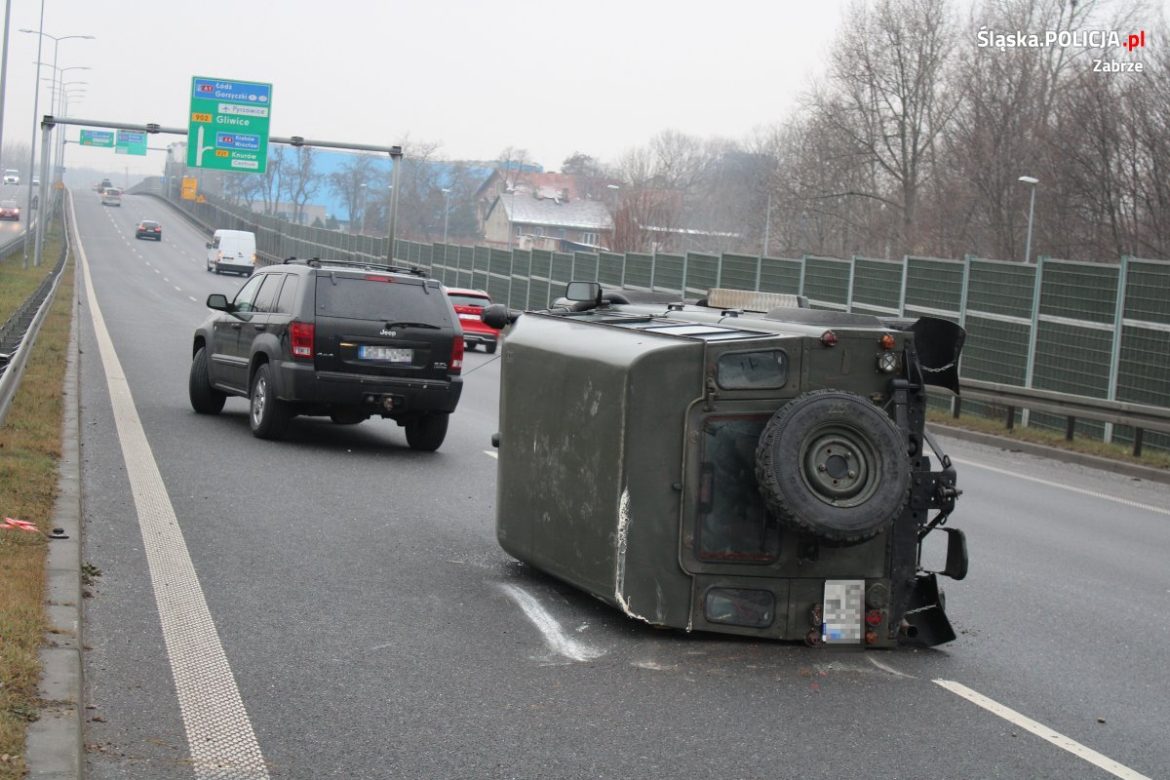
(781, 485)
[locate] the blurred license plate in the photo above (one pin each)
(466, 316)
(389, 354)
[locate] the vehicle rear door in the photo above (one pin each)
(383, 325)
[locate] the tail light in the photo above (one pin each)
(456, 355)
(301, 336)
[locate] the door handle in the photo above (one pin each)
(236, 326)
(258, 326)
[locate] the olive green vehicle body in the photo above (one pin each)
(626, 468)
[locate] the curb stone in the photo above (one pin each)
(54, 749)
(1133, 470)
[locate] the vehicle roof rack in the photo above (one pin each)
(316, 262)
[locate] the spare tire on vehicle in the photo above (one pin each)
(832, 463)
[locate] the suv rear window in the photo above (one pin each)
(358, 298)
(461, 299)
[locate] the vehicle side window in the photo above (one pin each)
(288, 295)
(266, 298)
(246, 297)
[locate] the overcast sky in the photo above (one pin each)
(550, 76)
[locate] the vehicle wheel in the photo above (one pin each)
(205, 399)
(490, 347)
(268, 416)
(832, 463)
(427, 431)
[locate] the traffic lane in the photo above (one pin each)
(162, 403)
(1059, 616)
(159, 274)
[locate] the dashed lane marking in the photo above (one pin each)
(491, 454)
(1042, 731)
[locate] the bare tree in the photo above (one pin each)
(302, 181)
(887, 98)
(354, 182)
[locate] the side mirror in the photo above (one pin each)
(209, 245)
(583, 292)
(219, 302)
(498, 316)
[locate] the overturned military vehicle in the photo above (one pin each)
(722, 469)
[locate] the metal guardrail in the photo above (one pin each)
(1140, 417)
(20, 331)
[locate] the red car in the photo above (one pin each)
(468, 306)
(9, 210)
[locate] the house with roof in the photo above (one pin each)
(546, 218)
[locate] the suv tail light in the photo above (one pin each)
(456, 355)
(301, 336)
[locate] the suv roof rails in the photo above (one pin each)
(316, 262)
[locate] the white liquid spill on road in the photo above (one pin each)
(554, 635)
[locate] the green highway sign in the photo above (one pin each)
(130, 142)
(228, 127)
(97, 137)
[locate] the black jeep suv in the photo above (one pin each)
(324, 337)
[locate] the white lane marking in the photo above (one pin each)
(491, 454)
(1082, 491)
(178, 289)
(554, 636)
(157, 271)
(1042, 731)
(192, 297)
(219, 733)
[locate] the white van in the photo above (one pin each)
(232, 250)
(112, 196)
(11, 176)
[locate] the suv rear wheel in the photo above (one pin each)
(426, 432)
(268, 416)
(205, 399)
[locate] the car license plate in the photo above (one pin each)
(843, 611)
(388, 354)
(466, 316)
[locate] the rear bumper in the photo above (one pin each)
(471, 337)
(303, 384)
(232, 268)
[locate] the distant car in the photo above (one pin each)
(11, 176)
(111, 196)
(468, 307)
(148, 228)
(36, 182)
(9, 210)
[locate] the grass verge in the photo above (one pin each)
(17, 283)
(30, 448)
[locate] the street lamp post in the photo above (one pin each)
(41, 35)
(395, 179)
(1031, 181)
(446, 214)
